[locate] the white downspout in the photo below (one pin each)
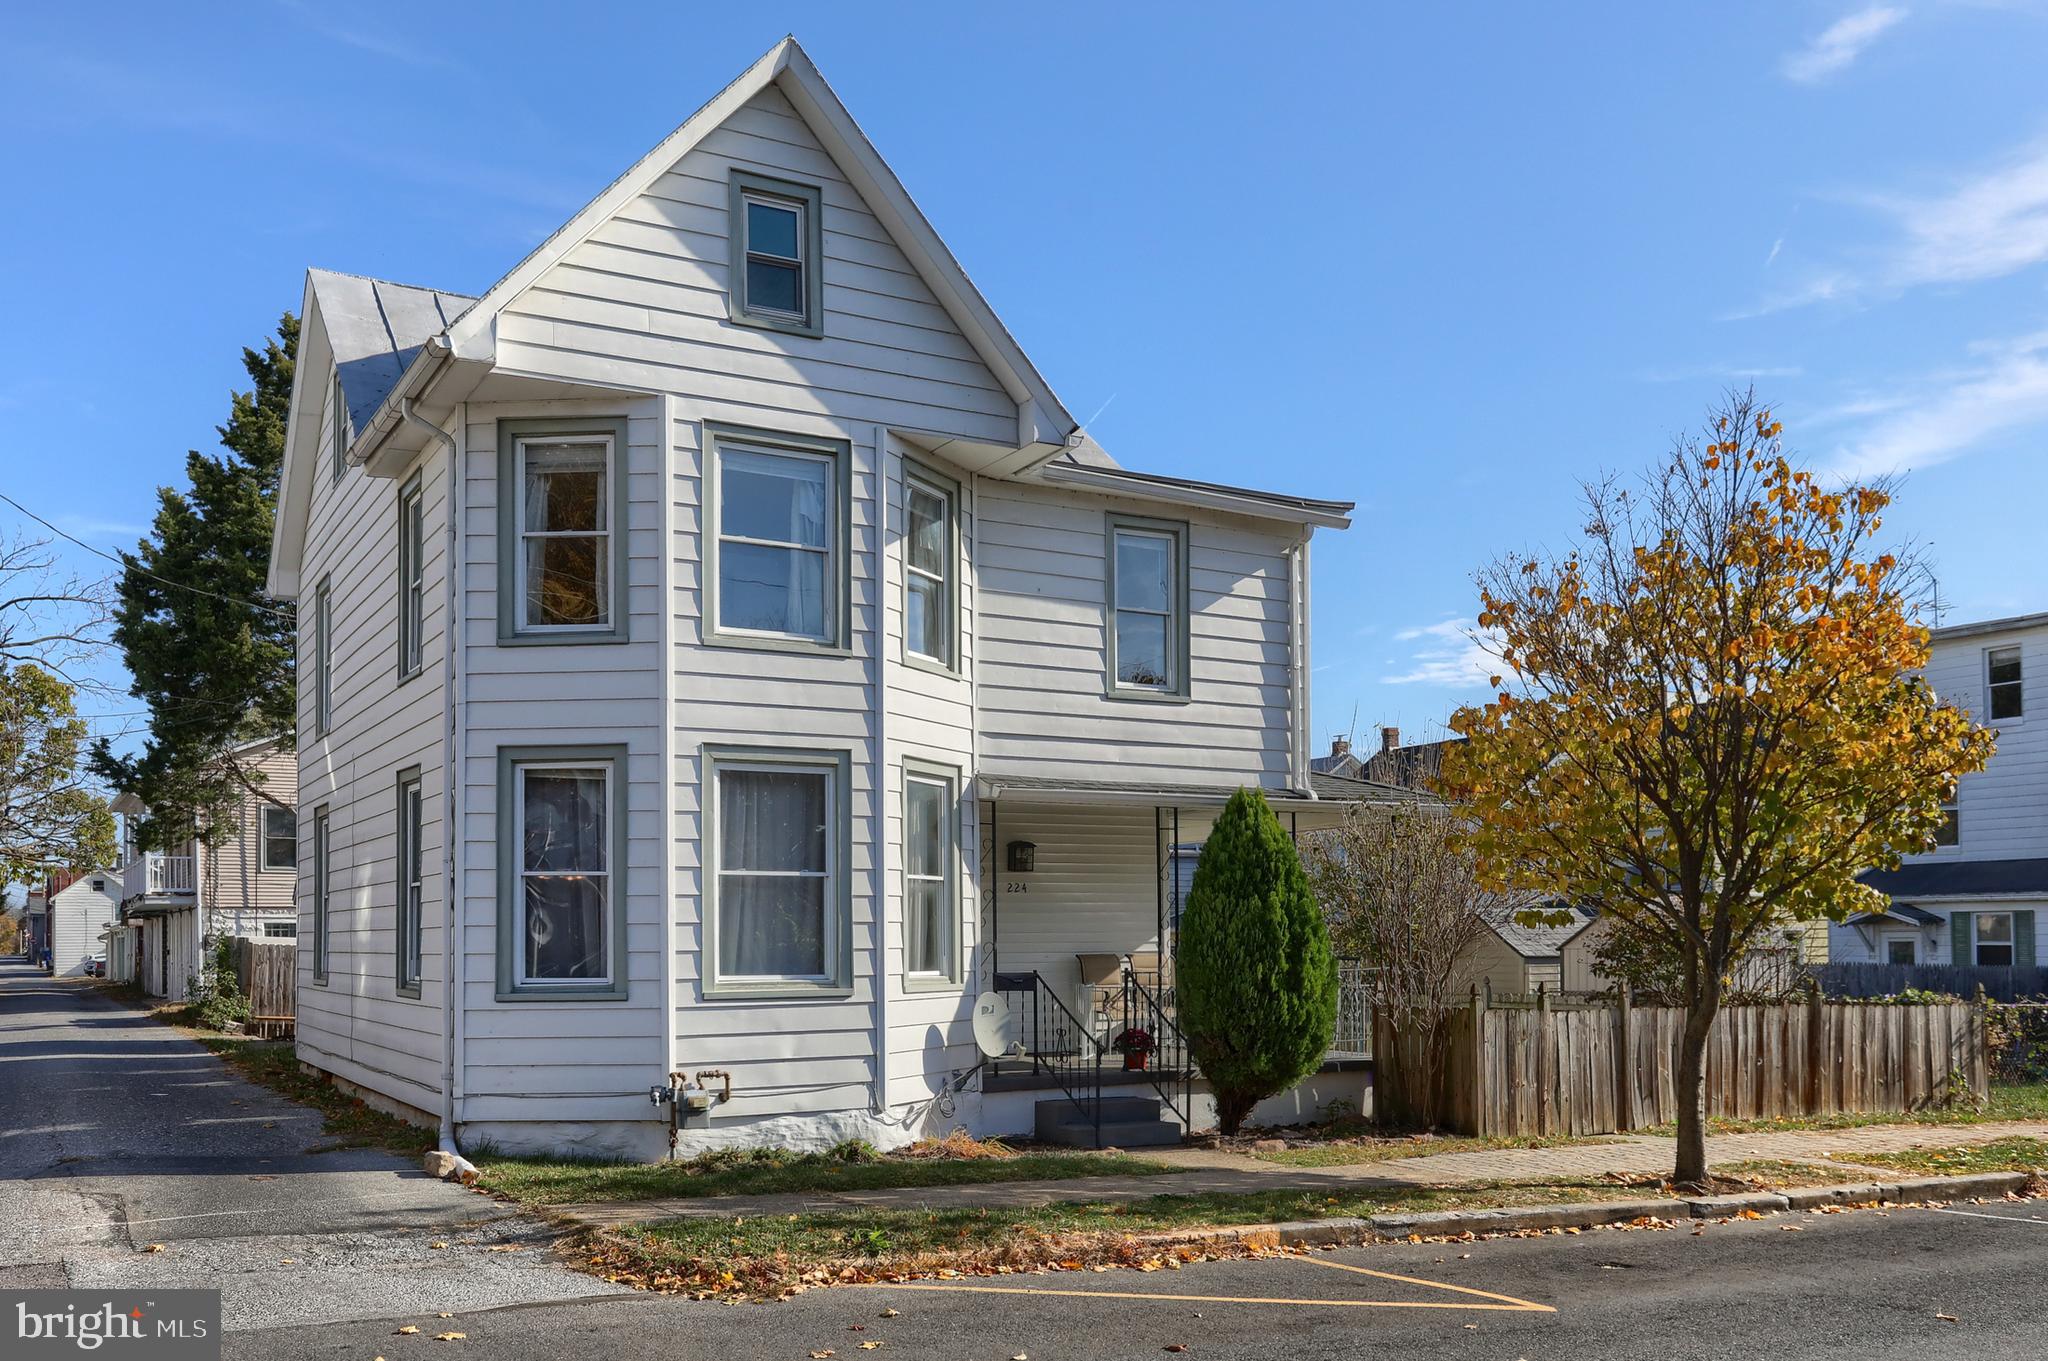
(669, 411)
(453, 774)
(881, 776)
(1299, 647)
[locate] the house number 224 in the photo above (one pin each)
(1016, 886)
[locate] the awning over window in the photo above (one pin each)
(1898, 914)
(1328, 789)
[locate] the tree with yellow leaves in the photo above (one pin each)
(1708, 719)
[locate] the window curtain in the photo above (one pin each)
(771, 873)
(566, 887)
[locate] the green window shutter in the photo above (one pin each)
(1959, 938)
(2023, 938)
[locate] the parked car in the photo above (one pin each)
(96, 967)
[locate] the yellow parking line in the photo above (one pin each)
(1504, 1304)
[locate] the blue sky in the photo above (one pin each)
(1445, 261)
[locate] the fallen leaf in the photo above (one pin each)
(1021, 1356)
(503, 1247)
(1176, 1346)
(450, 1337)
(887, 1313)
(1791, 1228)
(437, 1245)
(407, 1331)
(154, 1247)
(444, 1316)
(1946, 1318)
(869, 1345)
(288, 1261)
(821, 1354)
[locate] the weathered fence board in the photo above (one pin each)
(1535, 1070)
(267, 973)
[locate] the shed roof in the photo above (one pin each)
(1535, 942)
(1960, 879)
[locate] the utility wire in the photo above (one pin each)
(126, 565)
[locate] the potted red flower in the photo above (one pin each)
(1136, 1045)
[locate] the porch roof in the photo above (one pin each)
(1326, 789)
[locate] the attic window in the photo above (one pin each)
(339, 406)
(777, 248)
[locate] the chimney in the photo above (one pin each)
(1340, 746)
(1390, 738)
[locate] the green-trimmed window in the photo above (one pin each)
(323, 658)
(322, 876)
(929, 569)
(338, 427)
(779, 892)
(412, 576)
(777, 254)
(1148, 607)
(411, 879)
(931, 900)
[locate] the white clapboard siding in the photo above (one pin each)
(357, 1024)
(2002, 809)
(1042, 583)
(520, 1058)
(78, 913)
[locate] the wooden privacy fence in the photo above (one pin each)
(2013, 983)
(267, 973)
(1608, 1067)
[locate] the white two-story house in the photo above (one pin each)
(720, 650)
(1973, 899)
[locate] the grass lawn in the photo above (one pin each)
(2021, 1101)
(770, 1255)
(770, 1171)
(1349, 1152)
(2000, 1155)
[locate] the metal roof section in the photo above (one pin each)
(1184, 491)
(376, 329)
(2010, 624)
(1962, 879)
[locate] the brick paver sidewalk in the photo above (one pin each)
(1216, 1171)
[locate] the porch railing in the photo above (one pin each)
(1167, 1064)
(155, 875)
(1058, 1043)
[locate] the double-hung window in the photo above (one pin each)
(777, 246)
(1993, 939)
(412, 576)
(1950, 832)
(778, 874)
(566, 885)
(411, 880)
(930, 902)
(779, 539)
(561, 530)
(1148, 616)
(928, 569)
(322, 873)
(2002, 681)
(323, 658)
(279, 838)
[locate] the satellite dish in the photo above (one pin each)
(995, 1029)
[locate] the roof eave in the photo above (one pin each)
(1209, 496)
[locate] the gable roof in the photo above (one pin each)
(1041, 417)
(1534, 942)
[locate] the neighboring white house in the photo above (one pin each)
(721, 641)
(80, 907)
(242, 884)
(1973, 899)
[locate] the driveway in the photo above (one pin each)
(117, 1134)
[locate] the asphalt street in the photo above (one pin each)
(117, 1134)
(1866, 1283)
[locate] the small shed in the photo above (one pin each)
(1516, 958)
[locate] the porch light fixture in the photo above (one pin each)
(1023, 857)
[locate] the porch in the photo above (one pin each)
(1083, 892)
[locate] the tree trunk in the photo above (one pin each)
(1690, 1168)
(1231, 1109)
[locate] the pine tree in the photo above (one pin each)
(209, 652)
(1255, 979)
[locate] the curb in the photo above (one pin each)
(1598, 1214)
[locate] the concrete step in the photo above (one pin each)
(1127, 1122)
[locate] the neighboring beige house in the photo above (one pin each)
(242, 885)
(720, 649)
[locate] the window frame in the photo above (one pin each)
(719, 439)
(412, 577)
(1891, 941)
(340, 429)
(512, 435)
(2011, 943)
(917, 475)
(2017, 686)
(837, 767)
(270, 931)
(1950, 832)
(323, 914)
(1180, 620)
(323, 657)
(264, 838)
(809, 201)
(512, 986)
(410, 891)
(952, 946)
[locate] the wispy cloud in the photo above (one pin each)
(1993, 224)
(86, 527)
(1722, 372)
(1946, 415)
(1447, 653)
(1839, 44)
(376, 44)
